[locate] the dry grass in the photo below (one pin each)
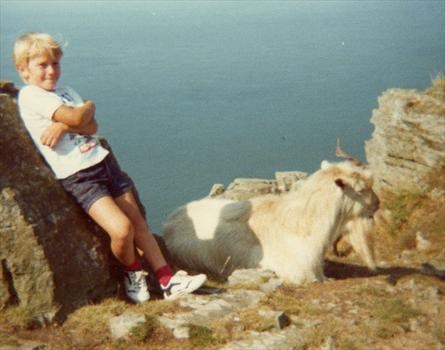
(359, 310)
(412, 213)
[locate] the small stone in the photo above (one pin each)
(271, 285)
(121, 326)
(217, 189)
(329, 344)
(282, 320)
(432, 293)
(422, 244)
(181, 332)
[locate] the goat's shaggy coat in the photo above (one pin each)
(288, 234)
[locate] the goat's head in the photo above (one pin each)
(356, 184)
(358, 181)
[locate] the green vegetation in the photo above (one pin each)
(413, 212)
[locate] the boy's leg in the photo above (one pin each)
(115, 222)
(143, 237)
(172, 286)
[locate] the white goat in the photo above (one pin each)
(288, 234)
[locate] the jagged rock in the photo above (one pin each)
(8, 87)
(52, 258)
(242, 188)
(217, 189)
(409, 137)
(287, 180)
(207, 308)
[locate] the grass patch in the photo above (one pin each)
(347, 344)
(413, 212)
(19, 318)
(284, 299)
(367, 292)
(251, 320)
(94, 318)
(401, 206)
(144, 331)
(393, 310)
(390, 316)
(202, 337)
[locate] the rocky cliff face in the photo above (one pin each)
(52, 258)
(409, 137)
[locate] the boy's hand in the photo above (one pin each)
(53, 133)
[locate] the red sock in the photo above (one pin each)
(164, 274)
(136, 266)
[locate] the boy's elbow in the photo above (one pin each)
(81, 119)
(95, 127)
(76, 123)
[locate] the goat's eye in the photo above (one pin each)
(362, 191)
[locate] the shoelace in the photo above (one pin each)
(137, 278)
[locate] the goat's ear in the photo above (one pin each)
(324, 165)
(340, 183)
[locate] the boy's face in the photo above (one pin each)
(43, 71)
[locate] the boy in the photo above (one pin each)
(62, 126)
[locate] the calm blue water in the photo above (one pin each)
(192, 93)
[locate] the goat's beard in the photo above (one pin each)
(358, 235)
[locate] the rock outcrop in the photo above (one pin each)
(52, 258)
(409, 137)
(243, 189)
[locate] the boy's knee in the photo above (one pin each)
(123, 231)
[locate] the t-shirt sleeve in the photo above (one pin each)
(39, 101)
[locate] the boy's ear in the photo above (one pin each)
(23, 71)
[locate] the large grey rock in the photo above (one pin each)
(409, 137)
(52, 258)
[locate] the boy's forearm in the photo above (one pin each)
(88, 129)
(53, 133)
(76, 117)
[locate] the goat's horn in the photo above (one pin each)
(342, 154)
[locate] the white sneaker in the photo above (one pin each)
(181, 283)
(136, 286)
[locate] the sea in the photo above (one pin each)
(194, 93)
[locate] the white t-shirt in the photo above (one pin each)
(74, 151)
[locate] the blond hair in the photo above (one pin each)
(32, 44)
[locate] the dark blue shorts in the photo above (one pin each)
(100, 180)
